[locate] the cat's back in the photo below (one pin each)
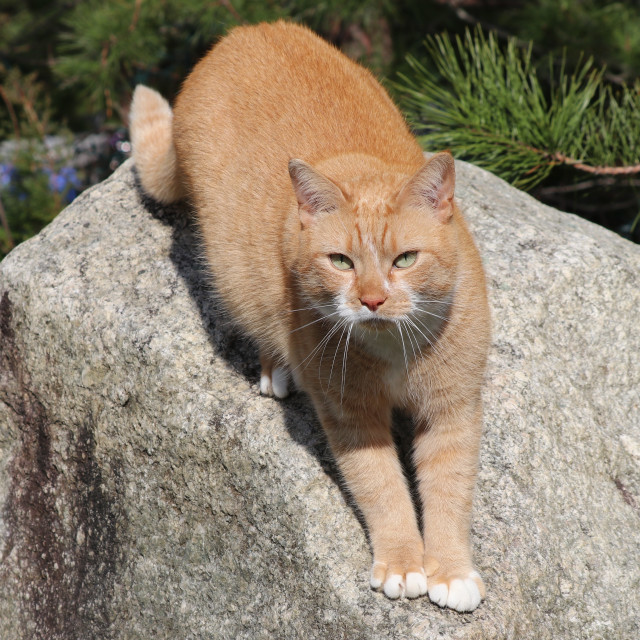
(263, 95)
(279, 91)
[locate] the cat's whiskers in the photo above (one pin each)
(430, 313)
(345, 323)
(312, 308)
(404, 350)
(344, 362)
(433, 341)
(420, 300)
(410, 335)
(419, 309)
(414, 324)
(322, 317)
(324, 341)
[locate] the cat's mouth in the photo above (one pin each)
(376, 323)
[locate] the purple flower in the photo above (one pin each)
(65, 181)
(8, 174)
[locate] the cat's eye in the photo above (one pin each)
(340, 261)
(405, 259)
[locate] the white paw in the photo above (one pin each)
(265, 385)
(276, 384)
(416, 584)
(412, 585)
(461, 594)
(280, 382)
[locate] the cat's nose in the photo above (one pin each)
(372, 303)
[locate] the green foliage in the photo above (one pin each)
(121, 42)
(26, 30)
(27, 103)
(99, 43)
(28, 203)
(609, 31)
(71, 65)
(487, 104)
(91, 53)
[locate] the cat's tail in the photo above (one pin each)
(150, 127)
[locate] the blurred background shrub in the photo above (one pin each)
(543, 92)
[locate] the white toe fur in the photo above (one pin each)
(415, 584)
(438, 594)
(280, 382)
(460, 595)
(375, 583)
(394, 586)
(457, 598)
(411, 585)
(265, 385)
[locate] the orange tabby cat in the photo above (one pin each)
(341, 252)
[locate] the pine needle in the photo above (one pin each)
(487, 105)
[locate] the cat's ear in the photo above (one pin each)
(431, 187)
(316, 193)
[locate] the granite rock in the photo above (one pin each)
(147, 490)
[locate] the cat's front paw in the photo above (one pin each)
(396, 583)
(274, 382)
(459, 591)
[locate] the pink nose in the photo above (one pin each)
(372, 303)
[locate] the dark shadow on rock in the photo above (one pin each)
(238, 351)
(188, 257)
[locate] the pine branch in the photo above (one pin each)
(486, 104)
(601, 171)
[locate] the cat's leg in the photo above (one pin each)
(367, 458)
(274, 380)
(446, 458)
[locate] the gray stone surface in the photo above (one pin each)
(147, 490)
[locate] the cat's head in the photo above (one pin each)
(378, 249)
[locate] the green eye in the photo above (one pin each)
(341, 261)
(405, 259)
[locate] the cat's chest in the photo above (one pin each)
(394, 354)
(384, 343)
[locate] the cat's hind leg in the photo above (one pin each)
(274, 379)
